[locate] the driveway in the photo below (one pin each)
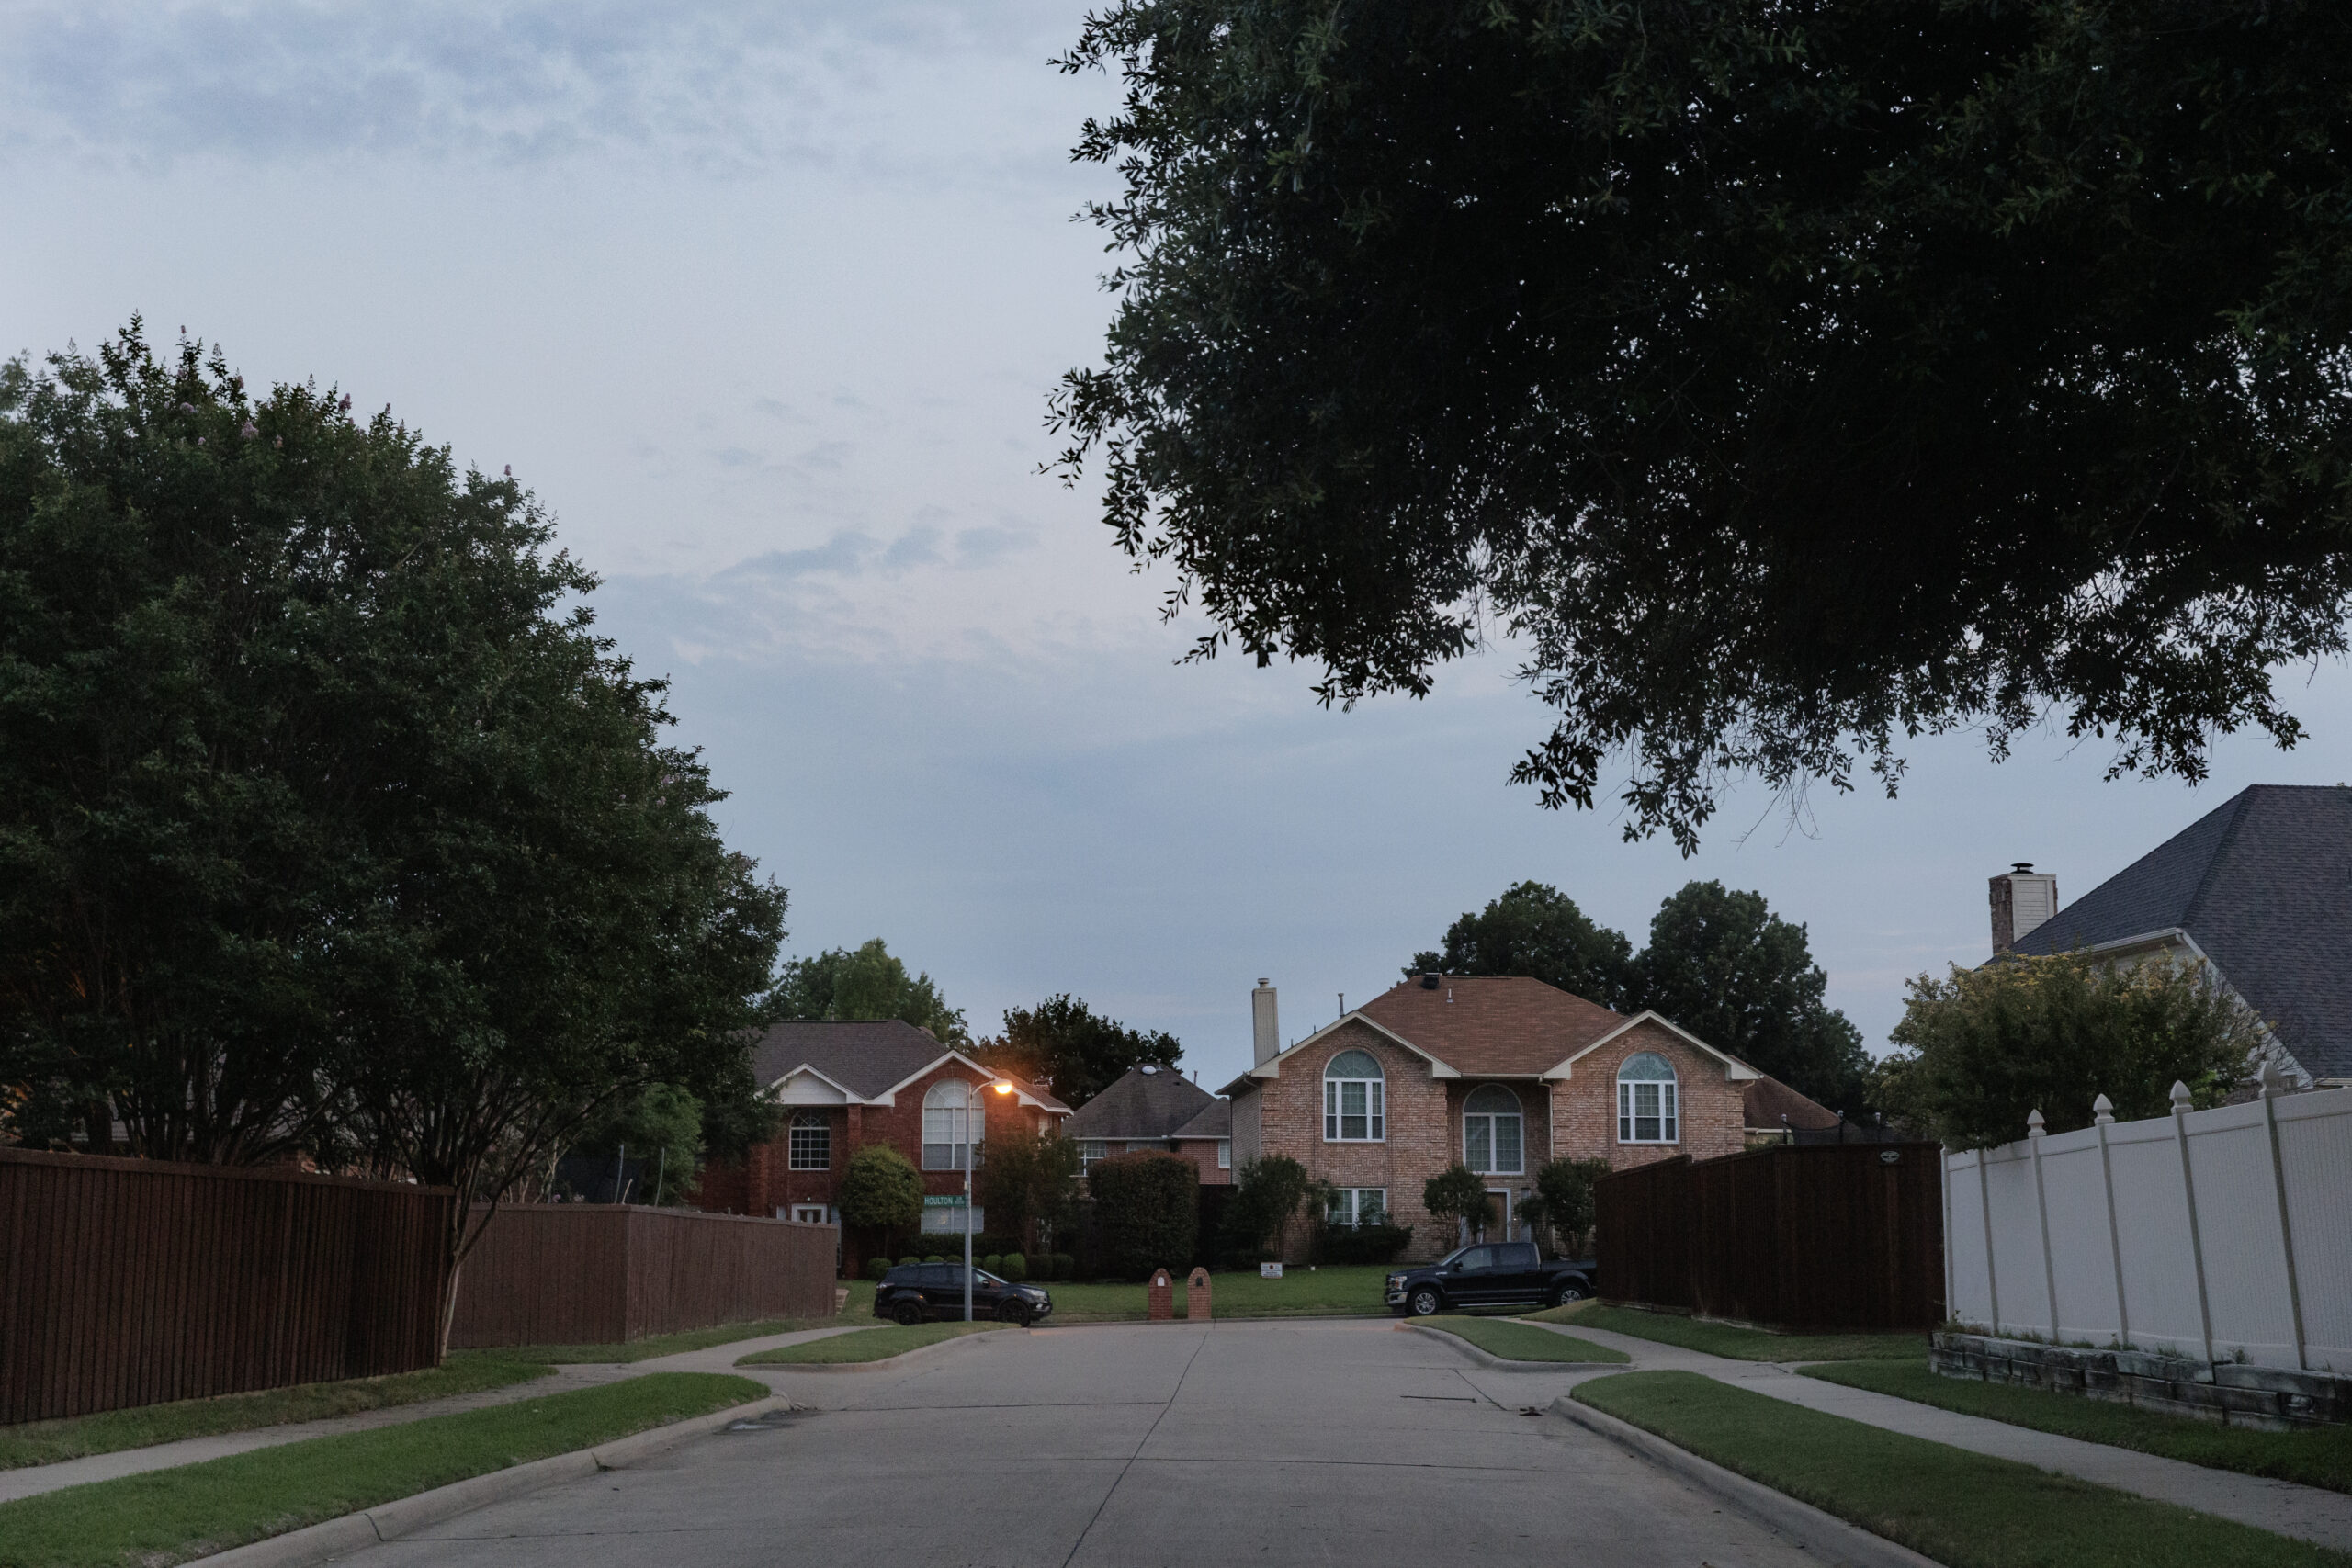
(1335, 1442)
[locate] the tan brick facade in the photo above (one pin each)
(1574, 1118)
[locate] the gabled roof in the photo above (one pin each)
(2261, 886)
(1142, 1102)
(1770, 1104)
(1491, 1026)
(1215, 1121)
(868, 1060)
(1734, 1068)
(1272, 1067)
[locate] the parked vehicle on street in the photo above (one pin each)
(913, 1293)
(1504, 1273)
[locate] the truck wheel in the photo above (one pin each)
(1425, 1302)
(1570, 1291)
(1012, 1312)
(907, 1313)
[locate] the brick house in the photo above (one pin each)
(845, 1085)
(1500, 1074)
(1161, 1109)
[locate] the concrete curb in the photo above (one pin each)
(1814, 1528)
(405, 1516)
(887, 1363)
(1488, 1359)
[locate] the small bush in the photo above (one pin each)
(933, 1257)
(1064, 1265)
(1015, 1268)
(876, 1268)
(1365, 1244)
(993, 1263)
(909, 1262)
(1147, 1205)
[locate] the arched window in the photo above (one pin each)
(943, 1123)
(1355, 1108)
(1491, 1144)
(812, 1141)
(1645, 1100)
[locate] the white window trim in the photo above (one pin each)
(1669, 1111)
(1376, 1100)
(1090, 1150)
(1350, 1210)
(817, 1122)
(956, 1116)
(1225, 1154)
(1490, 1118)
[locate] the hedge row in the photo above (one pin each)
(1013, 1266)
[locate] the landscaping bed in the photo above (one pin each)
(170, 1516)
(1963, 1509)
(1739, 1344)
(865, 1345)
(1339, 1290)
(2319, 1457)
(1521, 1341)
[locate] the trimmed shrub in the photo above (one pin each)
(1147, 1206)
(1365, 1244)
(881, 1190)
(1064, 1265)
(876, 1268)
(1015, 1267)
(909, 1262)
(993, 1263)
(933, 1257)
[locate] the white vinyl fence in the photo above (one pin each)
(2221, 1234)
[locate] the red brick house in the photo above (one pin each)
(1500, 1074)
(1161, 1109)
(845, 1085)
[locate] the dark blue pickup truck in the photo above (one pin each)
(1503, 1273)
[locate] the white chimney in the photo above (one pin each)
(2022, 900)
(1266, 1033)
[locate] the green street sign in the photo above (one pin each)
(955, 1202)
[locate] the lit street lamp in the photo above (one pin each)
(971, 1098)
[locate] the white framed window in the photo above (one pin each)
(1645, 1109)
(1355, 1206)
(809, 1214)
(945, 1120)
(1225, 1154)
(1088, 1151)
(1492, 1140)
(811, 1141)
(1355, 1106)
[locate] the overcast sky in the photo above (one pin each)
(764, 302)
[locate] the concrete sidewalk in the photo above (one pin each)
(31, 1480)
(2307, 1513)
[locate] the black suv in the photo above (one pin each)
(913, 1291)
(1506, 1273)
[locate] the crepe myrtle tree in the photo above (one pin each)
(1782, 380)
(1456, 1193)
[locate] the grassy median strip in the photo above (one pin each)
(2322, 1456)
(869, 1345)
(1739, 1344)
(1963, 1509)
(170, 1516)
(111, 1431)
(1521, 1341)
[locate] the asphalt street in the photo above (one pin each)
(1349, 1443)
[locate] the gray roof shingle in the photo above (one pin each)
(864, 1057)
(1141, 1102)
(2263, 884)
(1215, 1121)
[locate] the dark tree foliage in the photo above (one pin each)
(1786, 379)
(1029, 1187)
(1066, 1046)
(329, 823)
(1538, 932)
(1724, 967)
(1147, 1212)
(881, 1191)
(1267, 1193)
(1459, 1194)
(867, 983)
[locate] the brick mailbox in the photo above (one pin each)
(1162, 1296)
(1197, 1296)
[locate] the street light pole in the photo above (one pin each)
(970, 1098)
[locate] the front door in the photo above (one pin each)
(1495, 1227)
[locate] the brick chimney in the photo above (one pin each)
(2022, 898)
(1266, 1035)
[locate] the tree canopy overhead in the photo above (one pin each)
(1067, 1046)
(1537, 931)
(1786, 379)
(868, 983)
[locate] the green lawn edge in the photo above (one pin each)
(1521, 1341)
(2321, 1457)
(1733, 1342)
(114, 1431)
(867, 1344)
(170, 1516)
(655, 1345)
(1966, 1510)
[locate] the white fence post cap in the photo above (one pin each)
(2179, 1096)
(2273, 1081)
(2102, 1112)
(2034, 1127)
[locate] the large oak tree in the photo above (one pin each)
(1787, 378)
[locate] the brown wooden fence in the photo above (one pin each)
(1826, 1236)
(599, 1273)
(126, 1281)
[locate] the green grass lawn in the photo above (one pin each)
(871, 1345)
(1963, 1509)
(1739, 1344)
(1521, 1341)
(170, 1516)
(1350, 1292)
(111, 1431)
(672, 1344)
(2318, 1458)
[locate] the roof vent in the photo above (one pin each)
(1148, 1071)
(1429, 982)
